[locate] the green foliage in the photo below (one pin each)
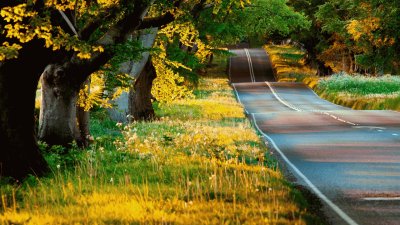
(59, 156)
(187, 58)
(269, 17)
(130, 50)
(353, 35)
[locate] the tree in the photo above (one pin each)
(30, 29)
(188, 43)
(375, 31)
(313, 39)
(19, 152)
(352, 35)
(172, 62)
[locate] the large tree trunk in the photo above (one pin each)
(133, 68)
(19, 152)
(140, 106)
(57, 122)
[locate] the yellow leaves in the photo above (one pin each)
(186, 32)
(203, 51)
(107, 3)
(16, 13)
(8, 51)
(365, 28)
(167, 87)
(93, 96)
(15, 28)
(358, 28)
(61, 4)
(98, 48)
(24, 25)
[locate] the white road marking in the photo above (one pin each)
(382, 199)
(281, 100)
(237, 96)
(395, 134)
(323, 197)
(334, 207)
(252, 77)
(300, 110)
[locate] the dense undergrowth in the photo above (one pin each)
(354, 91)
(199, 163)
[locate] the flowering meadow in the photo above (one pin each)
(200, 162)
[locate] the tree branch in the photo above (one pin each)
(92, 26)
(117, 34)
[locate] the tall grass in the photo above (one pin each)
(200, 163)
(361, 85)
(289, 64)
(362, 92)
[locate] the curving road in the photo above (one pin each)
(350, 159)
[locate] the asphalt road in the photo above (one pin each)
(349, 158)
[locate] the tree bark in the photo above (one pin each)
(19, 152)
(57, 120)
(133, 68)
(58, 125)
(140, 105)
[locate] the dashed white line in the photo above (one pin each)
(252, 77)
(334, 207)
(300, 110)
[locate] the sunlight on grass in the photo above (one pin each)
(289, 65)
(200, 163)
(362, 92)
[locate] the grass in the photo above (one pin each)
(362, 92)
(361, 85)
(289, 65)
(200, 163)
(354, 91)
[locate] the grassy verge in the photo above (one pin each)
(354, 91)
(362, 92)
(200, 163)
(289, 66)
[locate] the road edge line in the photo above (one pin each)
(333, 206)
(237, 97)
(323, 197)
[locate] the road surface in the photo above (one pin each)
(349, 158)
